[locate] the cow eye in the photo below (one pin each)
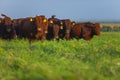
(44, 20)
(51, 21)
(31, 19)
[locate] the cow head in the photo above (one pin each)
(97, 29)
(9, 31)
(67, 28)
(7, 20)
(45, 24)
(42, 26)
(61, 25)
(50, 22)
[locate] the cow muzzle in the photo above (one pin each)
(39, 29)
(46, 32)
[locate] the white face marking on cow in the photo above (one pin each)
(73, 24)
(39, 29)
(61, 27)
(46, 32)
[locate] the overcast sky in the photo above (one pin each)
(73, 9)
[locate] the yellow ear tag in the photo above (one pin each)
(31, 19)
(51, 21)
(44, 20)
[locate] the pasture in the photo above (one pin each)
(98, 59)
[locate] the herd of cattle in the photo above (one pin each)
(41, 28)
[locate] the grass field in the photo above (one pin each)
(98, 59)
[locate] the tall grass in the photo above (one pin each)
(98, 59)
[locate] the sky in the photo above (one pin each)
(78, 10)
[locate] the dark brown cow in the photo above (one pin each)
(7, 30)
(42, 27)
(1, 27)
(85, 30)
(53, 28)
(16, 23)
(65, 29)
(32, 28)
(76, 31)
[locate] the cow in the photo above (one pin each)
(85, 30)
(65, 29)
(76, 31)
(16, 23)
(32, 27)
(1, 27)
(53, 28)
(7, 31)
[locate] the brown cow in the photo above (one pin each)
(53, 28)
(33, 28)
(42, 27)
(65, 29)
(16, 23)
(85, 30)
(7, 30)
(76, 31)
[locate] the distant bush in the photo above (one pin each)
(110, 29)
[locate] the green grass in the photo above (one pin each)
(98, 59)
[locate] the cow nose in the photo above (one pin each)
(46, 32)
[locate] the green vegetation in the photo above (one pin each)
(98, 59)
